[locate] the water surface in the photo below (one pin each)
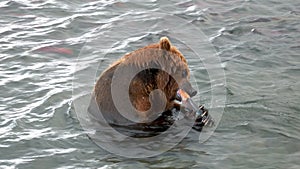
(257, 42)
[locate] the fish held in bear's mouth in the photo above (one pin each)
(191, 110)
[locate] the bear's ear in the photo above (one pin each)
(164, 43)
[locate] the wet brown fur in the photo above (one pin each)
(163, 55)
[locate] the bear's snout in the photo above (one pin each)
(187, 87)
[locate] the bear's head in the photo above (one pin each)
(179, 66)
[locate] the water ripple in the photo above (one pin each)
(257, 41)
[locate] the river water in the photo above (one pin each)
(42, 41)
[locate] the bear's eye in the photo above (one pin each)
(184, 73)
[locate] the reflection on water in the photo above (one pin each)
(258, 43)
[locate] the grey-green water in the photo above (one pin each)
(257, 41)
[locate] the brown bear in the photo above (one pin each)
(146, 79)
